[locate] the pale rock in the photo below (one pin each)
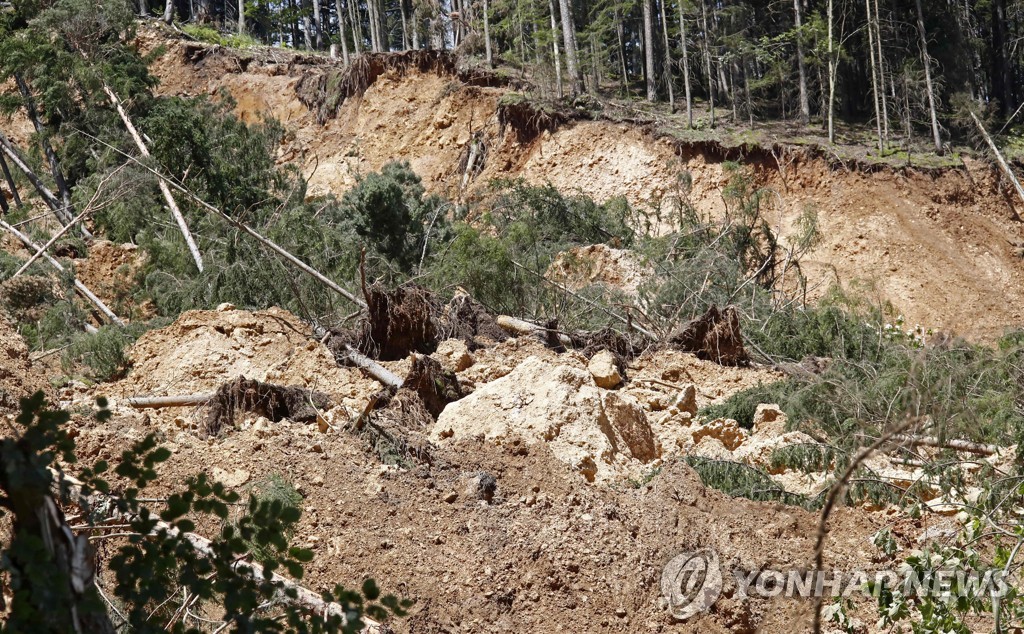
(726, 430)
(598, 433)
(225, 307)
(453, 355)
(769, 420)
(686, 401)
(602, 367)
(230, 479)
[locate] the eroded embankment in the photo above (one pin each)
(941, 245)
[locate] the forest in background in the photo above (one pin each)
(909, 68)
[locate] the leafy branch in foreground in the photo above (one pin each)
(164, 572)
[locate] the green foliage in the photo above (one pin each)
(502, 255)
(103, 355)
(158, 563)
(213, 36)
(272, 492)
(740, 480)
(389, 210)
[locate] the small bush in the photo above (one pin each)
(103, 355)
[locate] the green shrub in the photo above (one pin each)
(103, 355)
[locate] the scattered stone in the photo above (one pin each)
(451, 497)
(225, 307)
(769, 419)
(230, 479)
(454, 355)
(481, 486)
(598, 433)
(687, 400)
(725, 430)
(603, 367)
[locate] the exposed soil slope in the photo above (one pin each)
(910, 236)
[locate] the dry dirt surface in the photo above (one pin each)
(546, 549)
(906, 236)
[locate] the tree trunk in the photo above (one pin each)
(707, 60)
(596, 62)
(415, 27)
(832, 63)
(10, 181)
(554, 45)
(571, 50)
(241, 17)
(620, 32)
(357, 27)
(169, 11)
(143, 9)
(371, 15)
(652, 92)
(318, 26)
(805, 105)
(928, 77)
(686, 66)
(487, 36)
(668, 59)
(340, 9)
(874, 77)
(405, 24)
(1002, 84)
(881, 75)
(51, 157)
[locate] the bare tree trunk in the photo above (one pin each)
(51, 157)
(668, 59)
(620, 32)
(554, 45)
(832, 63)
(881, 75)
(318, 26)
(357, 28)
(487, 36)
(571, 50)
(805, 106)
(164, 189)
(340, 9)
(143, 9)
(874, 77)
(241, 17)
(652, 92)
(415, 27)
(371, 14)
(686, 66)
(928, 77)
(10, 181)
(405, 24)
(707, 60)
(169, 11)
(596, 62)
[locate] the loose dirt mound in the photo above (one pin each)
(599, 433)
(18, 378)
(202, 350)
(109, 271)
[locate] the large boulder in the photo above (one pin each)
(599, 433)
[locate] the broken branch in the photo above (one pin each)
(999, 158)
(164, 189)
(82, 288)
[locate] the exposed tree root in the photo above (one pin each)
(274, 402)
(714, 336)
